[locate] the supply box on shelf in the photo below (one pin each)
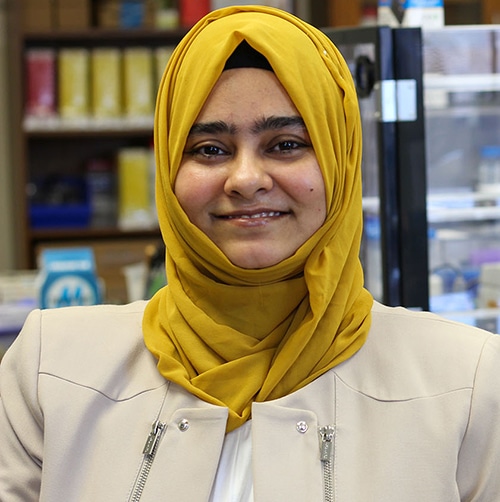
(126, 14)
(48, 15)
(59, 202)
(423, 13)
(68, 277)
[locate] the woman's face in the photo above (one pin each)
(249, 178)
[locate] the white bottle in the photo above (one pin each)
(489, 169)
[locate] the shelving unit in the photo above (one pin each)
(34, 146)
(54, 146)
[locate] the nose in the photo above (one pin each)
(247, 176)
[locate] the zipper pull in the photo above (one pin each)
(326, 435)
(153, 438)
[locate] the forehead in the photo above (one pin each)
(242, 92)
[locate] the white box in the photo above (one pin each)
(423, 13)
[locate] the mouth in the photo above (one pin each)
(254, 216)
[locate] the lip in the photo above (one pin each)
(260, 214)
(255, 216)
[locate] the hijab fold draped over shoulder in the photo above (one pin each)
(230, 335)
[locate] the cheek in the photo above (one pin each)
(188, 189)
(317, 191)
(310, 191)
(317, 200)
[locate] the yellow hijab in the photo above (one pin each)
(230, 335)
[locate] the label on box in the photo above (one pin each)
(405, 4)
(406, 13)
(68, 277)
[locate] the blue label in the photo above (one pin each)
(405, 4)
(423, 3)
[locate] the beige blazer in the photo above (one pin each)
(414, 416)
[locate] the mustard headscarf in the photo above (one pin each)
(230, 335)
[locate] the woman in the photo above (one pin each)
(263, 371)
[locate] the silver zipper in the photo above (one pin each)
(149, 452)
(326, 436)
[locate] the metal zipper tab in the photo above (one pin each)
(149, 452)
(153, 438)
(326, 446)
(326, 434)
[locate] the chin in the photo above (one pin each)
(255, 254)
(257, 261)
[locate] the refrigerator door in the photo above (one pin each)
(386, 65)
(462, 113)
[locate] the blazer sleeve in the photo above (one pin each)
(21, 419)
(478, 474)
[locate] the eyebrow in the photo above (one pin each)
(216, 127)
(260, 125)
(274, 123)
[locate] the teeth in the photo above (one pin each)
(258, 215)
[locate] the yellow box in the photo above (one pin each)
(162, 55)
(73, 80)
(134, 195)
(138, 83)
(106, 83)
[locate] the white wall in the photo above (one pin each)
(7, 241)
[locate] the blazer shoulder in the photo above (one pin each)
(100, 347)
(411, 354)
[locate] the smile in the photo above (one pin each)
(266, 214)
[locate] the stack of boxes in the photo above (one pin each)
(49, 15)
(95, 88)
(126, 14)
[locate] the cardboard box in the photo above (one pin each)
(37, 15)
(137, 13)
(126, 13)
(72, 14)
(111, 258)
(68, 277)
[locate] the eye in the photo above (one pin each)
(211, 150)
(207, 151)
(288, 146)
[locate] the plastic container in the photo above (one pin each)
(489, 169)
(101, 187)
(60, 202)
